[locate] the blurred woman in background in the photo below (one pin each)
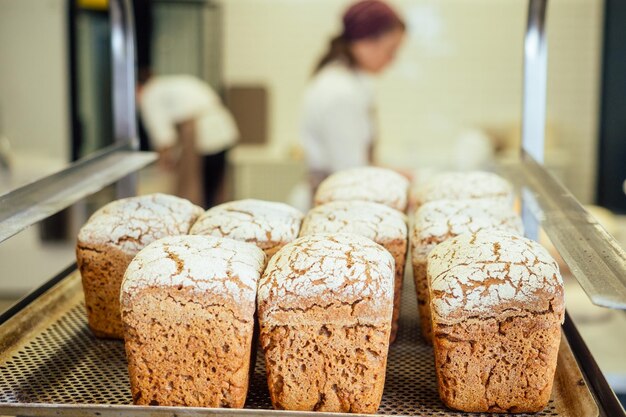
(338, 128)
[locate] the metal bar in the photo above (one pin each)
(124, 75)
(534, 98)
(593, 255)
(123, 62)
(535, 70)
(40, 199)
(600, 389)
(101, 410)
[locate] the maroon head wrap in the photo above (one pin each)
(369, 18)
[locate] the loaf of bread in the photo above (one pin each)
(110, 240)
(439, 220)
(188, 305)
(377, 222)
(497, 307)
(269, 225)
(463, 185)
(325, 304)
(378, 185)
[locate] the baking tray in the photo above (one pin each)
(51, 365)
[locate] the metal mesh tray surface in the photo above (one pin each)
(51, 364)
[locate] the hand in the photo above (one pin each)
(167, 158)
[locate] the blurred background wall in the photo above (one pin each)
(461, 67)
(34, 102)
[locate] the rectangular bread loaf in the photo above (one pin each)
(370, 183)
(438, 220)
(325, 306)
(497, 308)
(267, 224)
(188, 306)
(378, 222)
(111, 239)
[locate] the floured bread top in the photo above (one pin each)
(328, 271)
(254, 221)
(132, 223)
(372, 220)
(492, 273)
(375, 184)
(464, 185)
(223, 267)
(439, 220)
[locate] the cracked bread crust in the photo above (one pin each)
(317, 274)
(436, 221)
(188, 307)
(130, 224)
(492, 273)
(111, 238)
(497, 306)
(375, 221)
(378, 222)
(463, 185)
(223, 267)
(267, 224)
(378, 185)
(325, 308)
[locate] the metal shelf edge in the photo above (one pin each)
(34, 202)
(593, 255)
(605, 397)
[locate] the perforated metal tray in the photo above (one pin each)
(51, 365)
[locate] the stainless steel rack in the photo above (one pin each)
(50, 365)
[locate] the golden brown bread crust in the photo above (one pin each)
(496, 308)
(378, 222)
(102, 269)
(397, 248)
(325, 308)
(110, 239)
(270, 249)
(214, 370)
(423, 298)
(437, 221)
(188, 308)
(498, 365)
(333, 368)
